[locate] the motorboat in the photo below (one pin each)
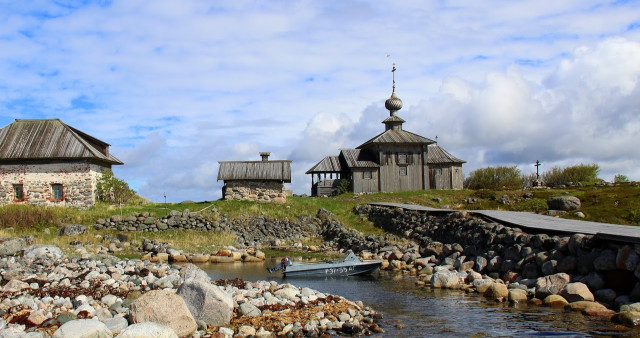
(350, 266)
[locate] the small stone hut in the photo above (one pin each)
(261, 181)
(47, 162)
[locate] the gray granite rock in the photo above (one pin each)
(83, 328)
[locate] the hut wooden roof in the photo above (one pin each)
(437, 155)
(396, 137)
(329, 164)
(50, 139)
(357, 158)
(279, 170)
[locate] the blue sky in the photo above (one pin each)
(176, 86)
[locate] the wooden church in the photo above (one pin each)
(394, 160)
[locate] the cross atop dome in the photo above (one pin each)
(393, 104)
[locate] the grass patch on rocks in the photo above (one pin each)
(618, 203)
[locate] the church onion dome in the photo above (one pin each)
(393, 103)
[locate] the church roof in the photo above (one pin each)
(437, 155)
(329, 164)
(358, 158)
(279, 170)
(50, 139)
(396, 137)
(394, 118)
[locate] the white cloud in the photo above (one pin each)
(177, 86)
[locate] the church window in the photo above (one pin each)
(367, 175)
(402, 158)
(403, 171)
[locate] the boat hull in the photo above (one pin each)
(331, 270)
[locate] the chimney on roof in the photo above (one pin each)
(265, 156)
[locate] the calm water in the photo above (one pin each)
(426, 312)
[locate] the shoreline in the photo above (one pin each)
(444, 253)
(49, 294)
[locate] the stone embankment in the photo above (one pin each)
(598, 278)
(253, 231)
(45, 293)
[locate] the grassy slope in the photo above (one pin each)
(617, 204)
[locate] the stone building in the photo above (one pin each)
(261, 181)
(394, 160)
(47, 162)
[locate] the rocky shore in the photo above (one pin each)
(46, 294)
(596, 278)
(42, 291)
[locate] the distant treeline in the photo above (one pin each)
(511, 177)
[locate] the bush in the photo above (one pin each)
(344, 186)
(583, 173)
(113, 190)
(619, 178)
(494, 178)
(26, 217)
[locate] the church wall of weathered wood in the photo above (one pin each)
(401, 168)
(364, 180)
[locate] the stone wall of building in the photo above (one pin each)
(78, 180)
(261, 191)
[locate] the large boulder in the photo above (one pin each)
(43, 252)
(518, 296)
(207, 302)
(591, 309)
(10, 246)
(551, 285)
(555, 301)
(192, 271)
(73, 230)
(83, 328)
(605, 261)
(148, 329)
(497, 291)
(575, 292)
(164, 307)
(445, 280)
(565, 203)
(433, 248)
(629, 319)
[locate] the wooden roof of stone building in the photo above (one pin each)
(437, 155)
(396, 137)
(50, 139)
(329, 164)
(279, 170)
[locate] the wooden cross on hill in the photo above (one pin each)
(537, 165)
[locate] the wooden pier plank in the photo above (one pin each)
(543, 223)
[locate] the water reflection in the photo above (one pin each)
(430, 312)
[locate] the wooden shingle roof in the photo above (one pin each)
(279, 170)
(397, 137)
(357, 158)
(50, 139)
(329, 164)
(437, 155)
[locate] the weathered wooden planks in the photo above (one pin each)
(541, 223)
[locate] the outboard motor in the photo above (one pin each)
(282, 266)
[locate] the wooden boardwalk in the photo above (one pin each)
(542, 223)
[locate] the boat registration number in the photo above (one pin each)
(333, 271)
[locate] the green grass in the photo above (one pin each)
(618, 204)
